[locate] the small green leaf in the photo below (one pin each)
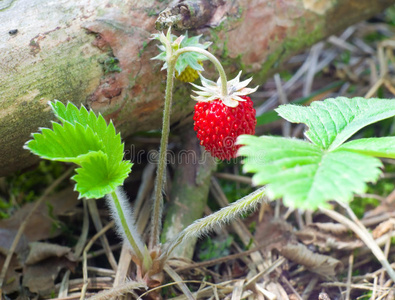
(191, 59)
(88, 141)
(97, 177)
(193, 62)
(333, 121)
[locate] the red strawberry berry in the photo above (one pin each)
(218, 125)
(222, 114)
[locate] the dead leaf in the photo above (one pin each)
(7, 237)
(288, 246)
(43, 264)
(328, 236)
(275, 232)
(40, 278)
(40, 225)
(41, 251)
(383, 228)
(318, 263)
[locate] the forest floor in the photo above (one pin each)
(273, 253)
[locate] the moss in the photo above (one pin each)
(143, 48)
(27, 187)
(300, 40)
(71, 73)
(110, 64)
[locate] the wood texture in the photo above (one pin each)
(65, 50)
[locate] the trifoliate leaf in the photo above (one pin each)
(304, 175)
(88, 141)
(307, 175)
(333, 121)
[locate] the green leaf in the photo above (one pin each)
(333, 121)
(181, 64)
(112, 145)
(307, 175)
(68, 143)
(304, 175)
(71, 113)
(88, 141)
(97, 177)
(191, 59)
(378, 147)
(193, 62)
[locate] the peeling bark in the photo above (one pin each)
(66, 50)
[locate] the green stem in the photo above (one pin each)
(213, 59)
(125, 226)
(160, 173)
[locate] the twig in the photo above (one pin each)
(227, 258)
(374, 289)
(237, 178)
(78, 250)
(315, 53)
(128, 287)
(309, 288)
(302, 70)
(238, 290)
(374, 88)
(145, 187)
(179, 281)
(202, 293)
(123, 266)
(290, 286)
(349, 275)
(271, 268)
(282, 97)
(25, 222)
(85, 259)
(94, 212)
(265, 293)
(363, 234)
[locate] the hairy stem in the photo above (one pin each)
(125, 227)
(160, 173)
(213, 59)
(225, 215)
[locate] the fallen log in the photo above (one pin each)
(98, 53)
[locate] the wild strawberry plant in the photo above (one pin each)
(88, 141)
(305, 174)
